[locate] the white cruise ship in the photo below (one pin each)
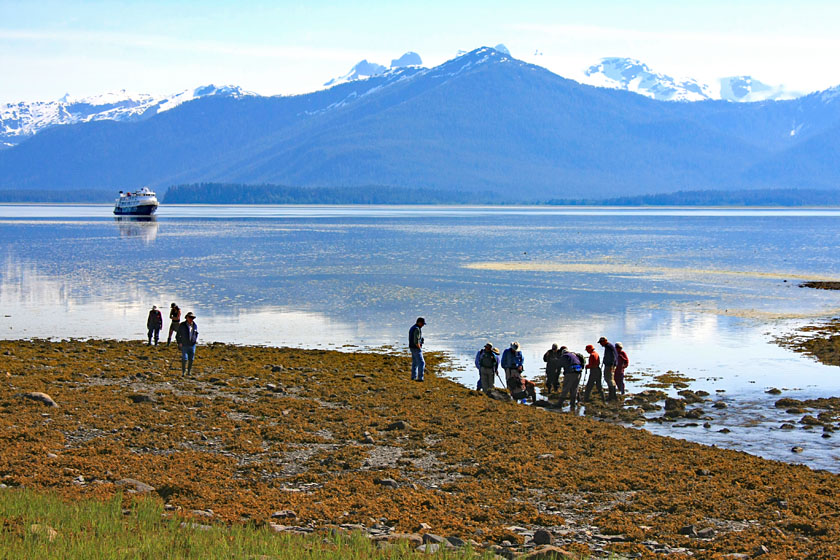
(138, 203)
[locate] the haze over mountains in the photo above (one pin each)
(482, 122)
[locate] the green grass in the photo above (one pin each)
(93, 529)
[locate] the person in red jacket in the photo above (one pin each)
(594, 367)
(621, 364)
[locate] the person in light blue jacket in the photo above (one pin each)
(514, 364)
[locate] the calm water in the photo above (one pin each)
(700, 292)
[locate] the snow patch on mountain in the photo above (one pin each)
(632, 75)
(19, 121)
(408, 59)
(364, 69)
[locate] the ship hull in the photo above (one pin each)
(141, 210)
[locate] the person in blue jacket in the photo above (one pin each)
(514, 364)
(487, 364)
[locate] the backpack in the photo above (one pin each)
(581, 358)
(487, 359)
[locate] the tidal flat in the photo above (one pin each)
(306, 440)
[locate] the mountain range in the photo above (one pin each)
(481, 122)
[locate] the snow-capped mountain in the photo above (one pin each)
(364, 69)
(19, 121)
(635, 76)
(632, 75)
(747, 88)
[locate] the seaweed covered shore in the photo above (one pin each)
(306, 440)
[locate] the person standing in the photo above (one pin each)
(594, 367)
(154, 323)
(513, 363)
(415, 344)
(610, 358)
(186, 337)
(552, 369)
(621, 364)
(572, 368)
(487, 362)
(174, 321)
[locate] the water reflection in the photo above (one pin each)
(144, 227)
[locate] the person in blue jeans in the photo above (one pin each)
(415, 344)
(187, 337)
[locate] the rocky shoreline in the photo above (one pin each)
(310, 440)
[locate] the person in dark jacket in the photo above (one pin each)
(415, 344)
(594, 380)
(572, 369)
(610, 358)
(552, 369)
(154, 323)
(174, 321)
(487, 362)
(186, 337)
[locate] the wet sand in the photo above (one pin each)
(344, 438)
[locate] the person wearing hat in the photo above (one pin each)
(610, 358)
(487, 363)
(415, 344)
(154, 323)
(187, 337)
(552, 369)
(594, 380)
(174, 321)
(572, 369)
(620, 365)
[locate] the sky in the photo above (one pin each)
(50, 48)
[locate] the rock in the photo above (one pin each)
(702, 472)
(787, 426)
(794, 410)
(456, 542)
(196, 526)
(432, 538)
(694, 413)
(274, 388)
(690, 396)
(135, 486)
(284, 514)
(549, 553)
(425, 527)
(137, 399)
(706, 533)
(689, 531)
(398, 425)
(40, 397)
(810, 421)
(541, 536)
(430, 548)
(639, 422)
(797, 449)
(276, 369)
(368, 439)
(674, 404)
(203, 512)
(388, 483)
(498, 395)
(773, 391)
(720, 404)
(760, 550)
(724, 431)
(707, 425)
(786, 403)
(545, 456)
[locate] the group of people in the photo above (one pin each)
(558, 359)
(186, 333)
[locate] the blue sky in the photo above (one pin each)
(48, 48)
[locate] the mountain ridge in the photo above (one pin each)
(482, 122)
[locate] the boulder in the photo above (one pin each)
(137, 399)
(398, 425)
(135, 486)
(541, 536)
(41, 398)
(498, 395)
